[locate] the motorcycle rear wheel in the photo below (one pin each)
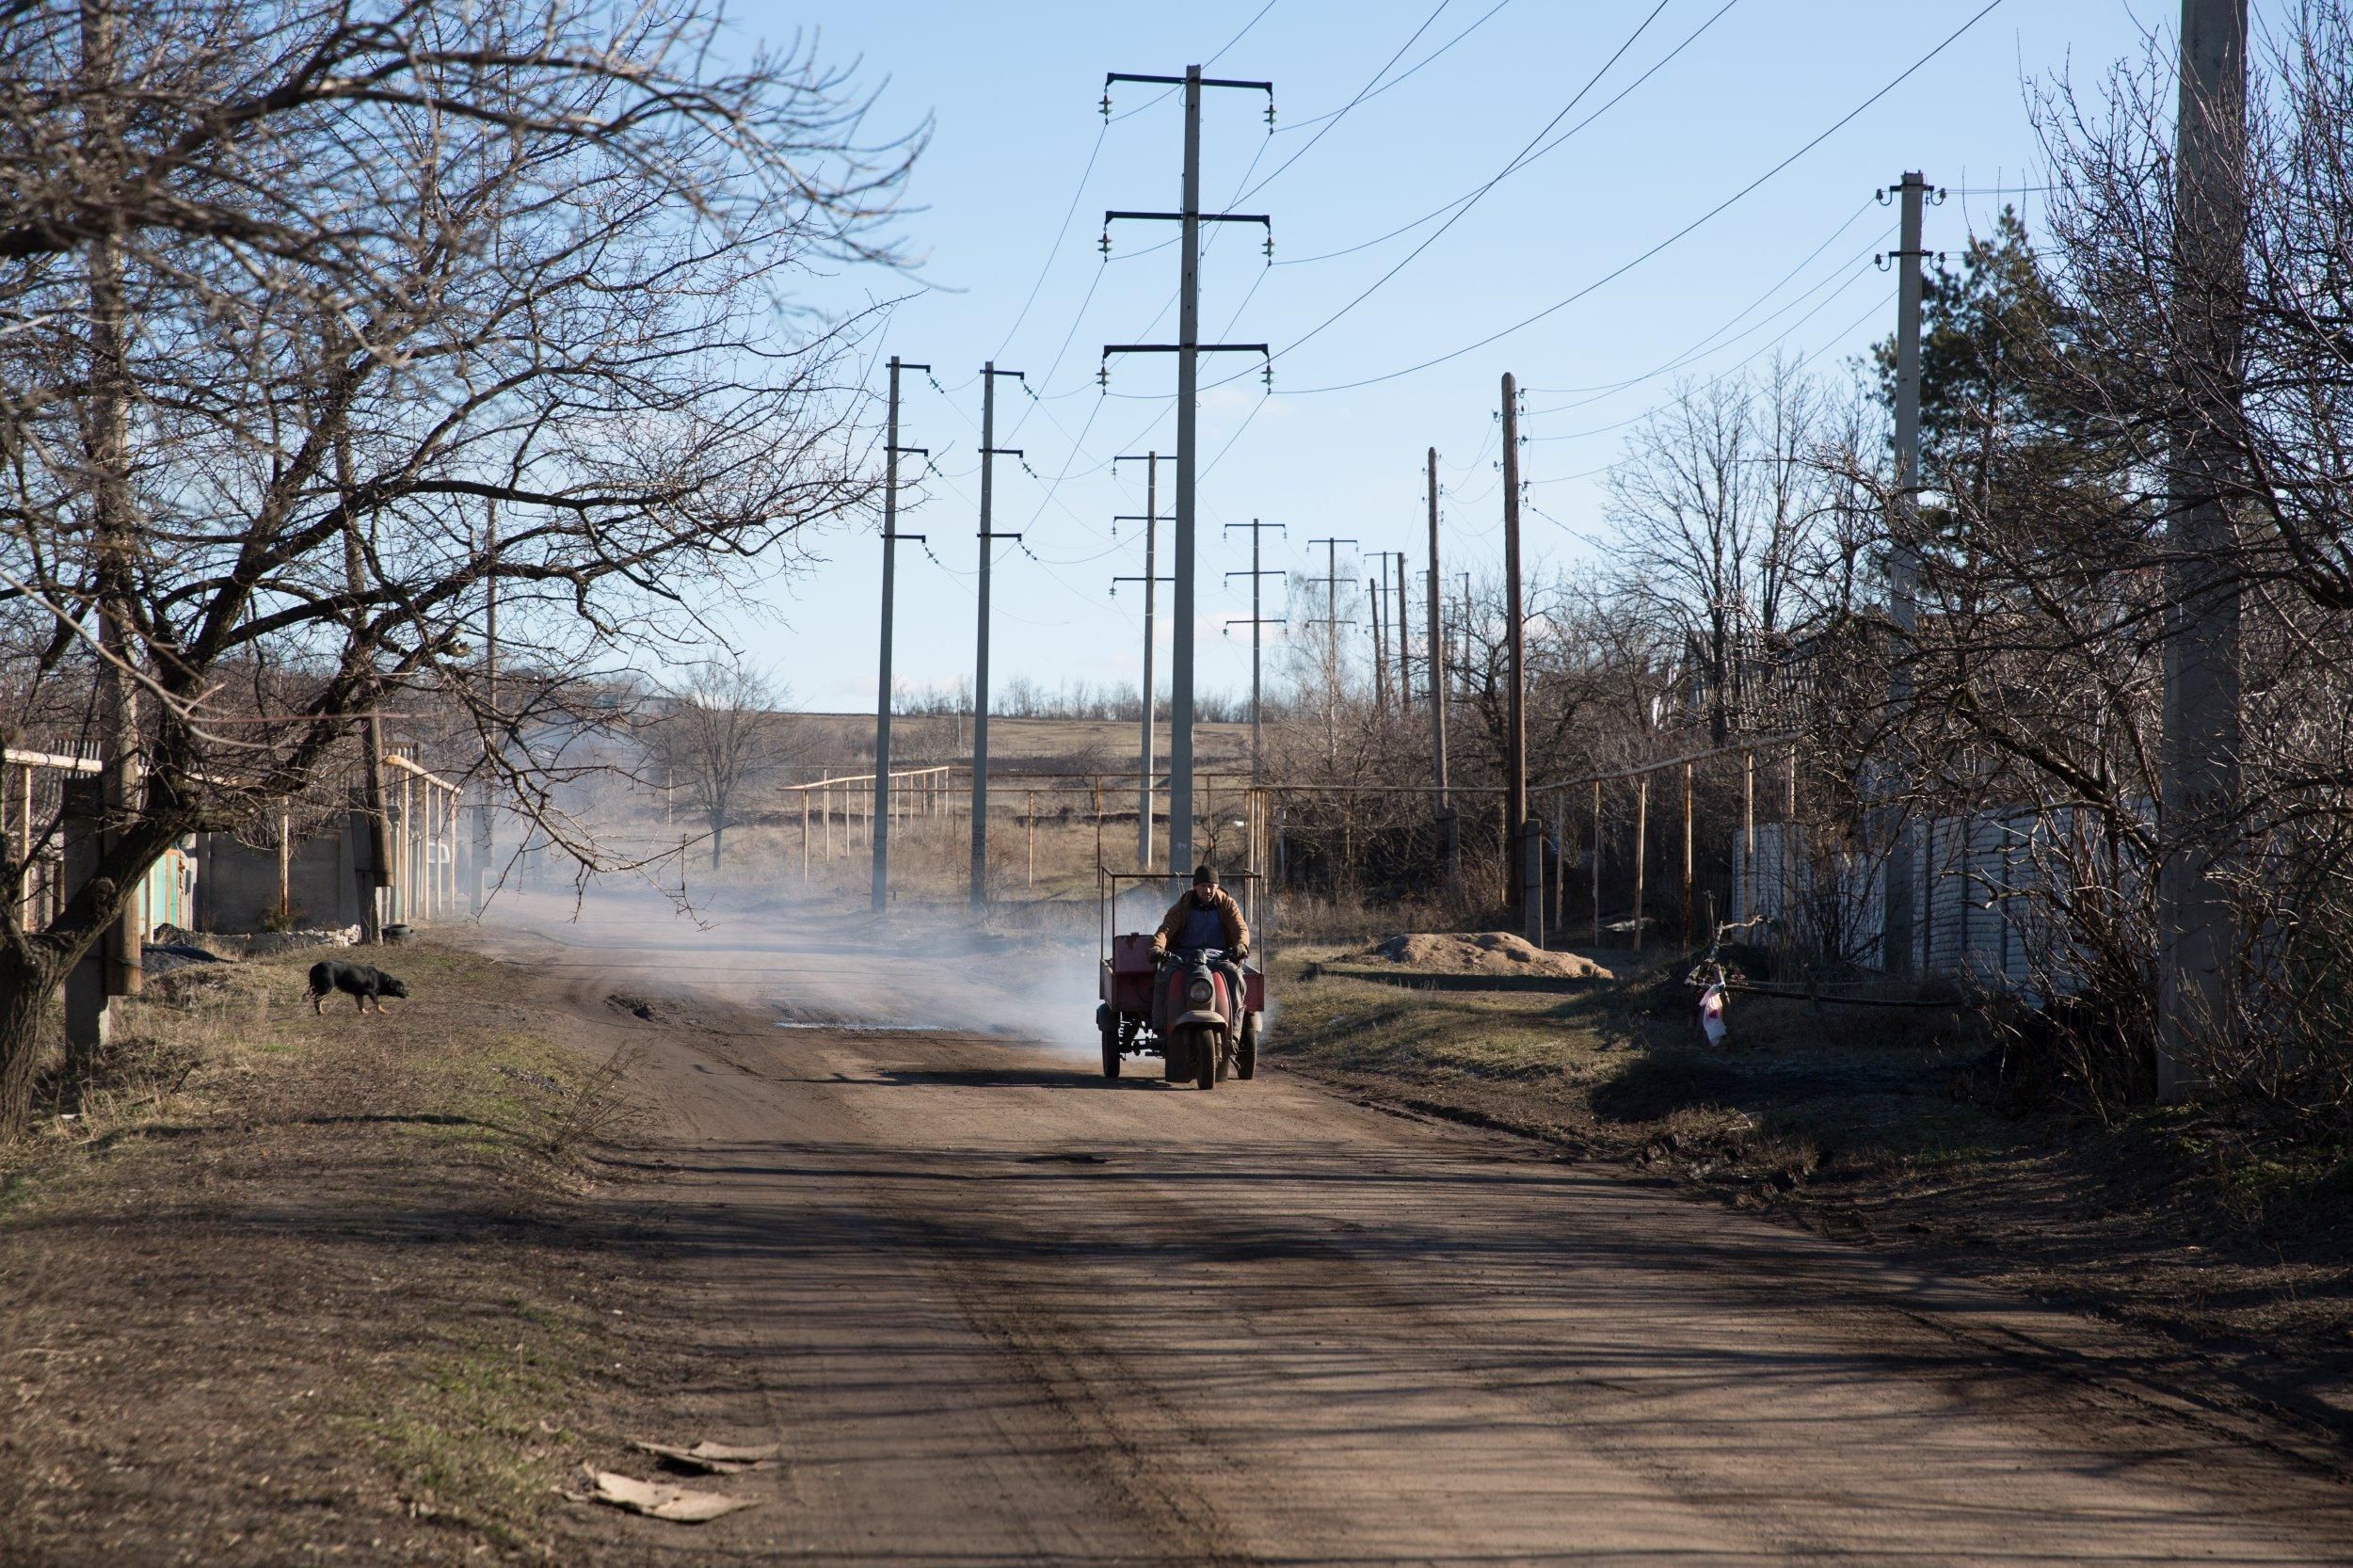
(1246, 1056)
(1111, 1048)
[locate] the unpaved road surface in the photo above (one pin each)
(1002, 1311)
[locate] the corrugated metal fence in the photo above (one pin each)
(1982, 916)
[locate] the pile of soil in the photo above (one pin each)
(1482, 953)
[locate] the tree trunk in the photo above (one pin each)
(718, 835)
(27, 985)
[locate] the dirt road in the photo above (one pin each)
(1000, 1310)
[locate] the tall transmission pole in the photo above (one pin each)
(1397, 636)
(2199, 770)
(1404, 646)
(1257, 684)
(1187, 349)
(989, 453)
(879, 836)
(1897, 918)
(1526, 881)
(1438, 679)
(1331, 624)
(1377, 600)
(1151, 580)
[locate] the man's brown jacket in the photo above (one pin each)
(1228, 914)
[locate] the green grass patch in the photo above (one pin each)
(1622, 1064)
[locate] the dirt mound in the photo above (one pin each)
(1482, 953)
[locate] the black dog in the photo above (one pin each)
(356, 980)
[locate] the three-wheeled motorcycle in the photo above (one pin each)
(1207, 1031)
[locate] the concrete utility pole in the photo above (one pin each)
(1527, 880)
(1404, 647)
(1377, 598)
(1257, 687)
(114, 526)
(989, 453)
(1448, 824)
(1331, 624)
(1187, 349)
(1393, 635)
(1151, 580)
(2198, 770)
(1903, 562)
(890, 537)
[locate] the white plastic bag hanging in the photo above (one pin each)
(1712, 1014)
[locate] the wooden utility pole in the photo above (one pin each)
(1377, 603)
(1526, 878)
(1257, 622)
(1450, 826)
(1596, 876)
(989, 454)
(1687, 856)
(1187, 349)
(1152, 580)
(880, 896)
(1642, 851)
(2198, 769)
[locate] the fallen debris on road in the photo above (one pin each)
(710, 1458)
(660, 1499)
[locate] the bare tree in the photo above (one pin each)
(508, 253)
(722, 735)
(1717, 502)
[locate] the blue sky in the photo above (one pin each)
(1015, 93)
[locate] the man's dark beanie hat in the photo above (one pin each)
(1203, 872)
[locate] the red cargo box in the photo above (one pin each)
(1252, 991)
(1131, 954)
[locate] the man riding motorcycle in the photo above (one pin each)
(1204, 916)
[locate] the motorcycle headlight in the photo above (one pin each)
(1199, 990)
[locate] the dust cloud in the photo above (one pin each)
(1026, 973)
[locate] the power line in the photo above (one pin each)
(1507, 169)
(1751, 357)
(1060, 234)
(1869, 203)
(1401, 77)
(1840, 124)
(1341, 113)
(1163, 97)
(1851, 271)
(1525, 157)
